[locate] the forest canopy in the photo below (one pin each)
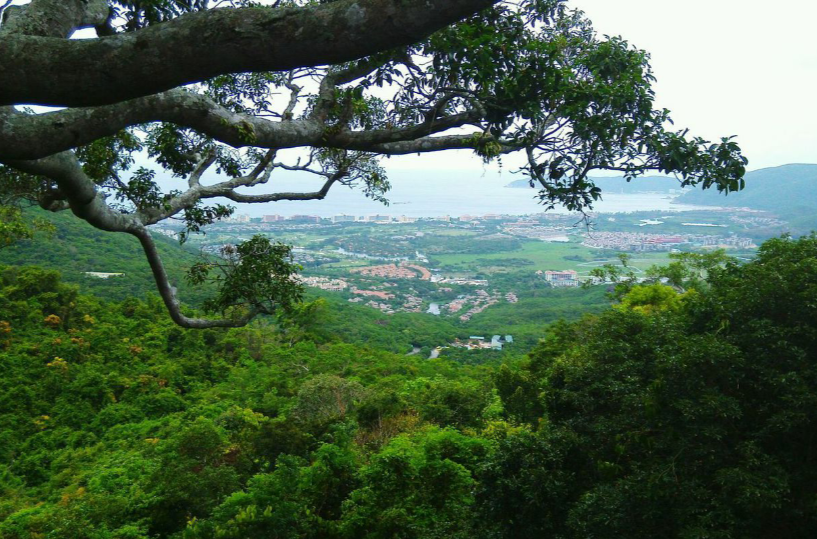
(690, 418)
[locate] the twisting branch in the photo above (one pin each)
(168, 293)
(27, 137)
(227, 189)
(276, 197)
(262, 171)
(79, 191)
(335, 78)
(194, 180)
(87, 203)
(294, 92)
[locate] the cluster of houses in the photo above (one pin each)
(403, 271)
(324, 283)
(477, 342)
(641, 242)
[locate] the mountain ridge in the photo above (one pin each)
(784, 189)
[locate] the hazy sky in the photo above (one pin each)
(724, 67)
(729, 67)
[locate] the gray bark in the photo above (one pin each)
(44, 70)
(56, 18)
(35, 136)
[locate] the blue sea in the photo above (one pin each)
(435, 194)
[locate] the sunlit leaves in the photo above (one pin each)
(16, 187)
(14, 227)
(576, 103)
(245, 92)
(175, 148)
(355, 169)
(142, 192)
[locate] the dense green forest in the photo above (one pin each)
(75, 247)
(671, 414)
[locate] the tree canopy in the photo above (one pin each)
(226, 86)
(693, 418)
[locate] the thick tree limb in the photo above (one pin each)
(169, 294)
(56, 18)
(27, 137)
(79, 191)
(438, 144)
(198, 46)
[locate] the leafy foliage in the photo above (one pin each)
(256, 274)
(693, 420)
(75, 247)
(670, 422)
(13, 227)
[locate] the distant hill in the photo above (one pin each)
(788, 190)
(76, 247)
(618, 185)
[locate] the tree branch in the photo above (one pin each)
(437, 144)
(79, 191)
(275, 197)
(226, 189)
(194, 180)
(169, 294)
(62, 72)
(32, 136)
(90, 205)
(56, 18)
(333, 79)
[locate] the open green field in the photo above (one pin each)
(550, 256)
(455, 232)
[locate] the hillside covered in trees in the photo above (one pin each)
(683, 410)
(788, 190)
(669, 415)
(76, 248)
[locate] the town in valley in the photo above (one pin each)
(458, 267)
